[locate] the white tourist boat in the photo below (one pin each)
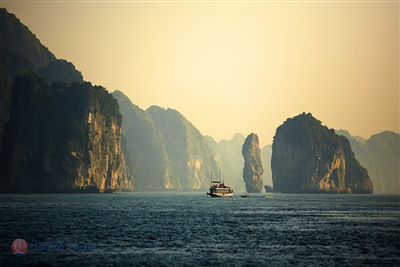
(220, 189)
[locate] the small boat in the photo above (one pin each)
(269, 196)
(245, 195)
(220, 189)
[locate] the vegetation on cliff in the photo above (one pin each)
(60, 70)
(309, 157)
(18, 38)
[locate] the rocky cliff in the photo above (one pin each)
(266, 152)
(356, 177)
(253, 169)
(310, 158)
(56, 138)
(62, 138)
(167, 151)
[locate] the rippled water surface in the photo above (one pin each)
(192, 229)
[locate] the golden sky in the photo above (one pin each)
(235, 66)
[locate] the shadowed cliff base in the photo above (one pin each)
(92, 190)
(270, 189)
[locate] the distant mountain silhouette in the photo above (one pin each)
(228, 155)
(167, 151)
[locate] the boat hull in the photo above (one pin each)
(222, 195)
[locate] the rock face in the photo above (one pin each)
(61, 139)
(167, 151)
(253, 169)
(356, 177)
(310, 158)
(266, 152)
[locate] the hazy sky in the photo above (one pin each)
(235, 66)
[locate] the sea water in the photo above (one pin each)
(192, 229)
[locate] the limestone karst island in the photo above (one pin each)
(60, 133)
(310, 158)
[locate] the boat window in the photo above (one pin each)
(222, 190)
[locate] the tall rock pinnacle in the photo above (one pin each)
(253, 169)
